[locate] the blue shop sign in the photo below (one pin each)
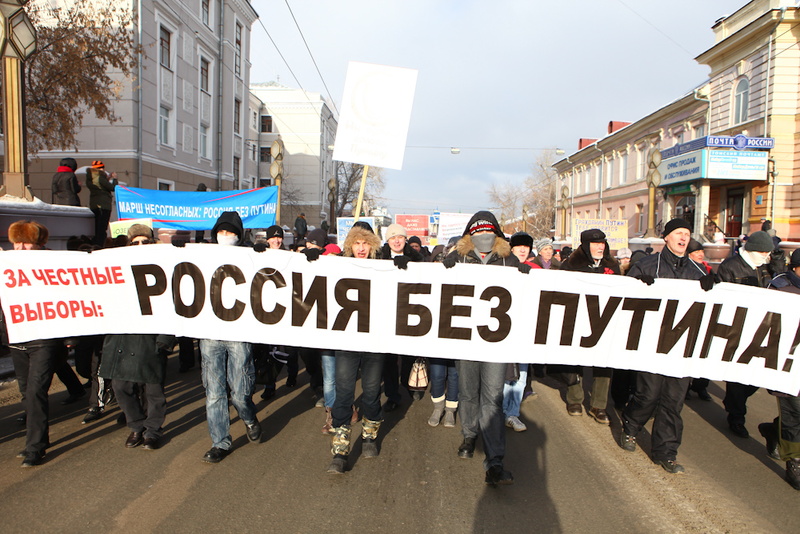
(738, 142)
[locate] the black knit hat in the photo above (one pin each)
(673, 225)
(521, 239)
(795, 259)
(759, 242)
(274, 231)
(693, 246)
(483, 221)
(317, 237)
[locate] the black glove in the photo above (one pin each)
(708, 281)
(312, 254)
(178, 243)
(401, 262)
(524, 268)
(260, 247)
(647, 279)
(449, 261)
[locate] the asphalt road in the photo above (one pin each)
(570, 476)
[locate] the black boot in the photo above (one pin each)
(467, 448)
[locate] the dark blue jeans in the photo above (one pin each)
(347, 364)
(444, 379)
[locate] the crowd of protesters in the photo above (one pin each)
(485, 396)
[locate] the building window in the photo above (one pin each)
(623, 168)
(266, 124)
(642, 155)
(266, 157)
(264, 182)
(236, 165)
(255, 121)
(237, 116)
(165, 185)
(699, 131)
(621, 212)
(253, 151)
(163, 125)
(206, 12)
(610, 173)
(641, 215)
(204, 74)
(238, 43)
(204, 141)
(741, 101)
(165, 40)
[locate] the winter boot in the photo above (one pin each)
(793, 473)
(369, 433)
(327, 428)
(436, 416)
(449, 416)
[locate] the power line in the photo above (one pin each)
(656, 28)
(314, 61)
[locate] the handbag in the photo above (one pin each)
(418, 378)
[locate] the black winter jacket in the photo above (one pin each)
(413, 255)
(736, 271)
(582, 262)
(665, 264)
(136, 357)
(65, 189)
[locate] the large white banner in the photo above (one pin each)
(475, 312)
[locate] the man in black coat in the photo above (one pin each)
(748, 267)
(783, 434)
(658, 395)
(398, 250)
(593, 256)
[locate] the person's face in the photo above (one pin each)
(415, 246)
(397, 243)
(521, 252)
(678, 240)
(596, 250)
(275, 242)
(624, 261)
(141, 240)
(546, 253)
(361, 249)
(697, 256)
(25, 246)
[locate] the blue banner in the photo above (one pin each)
(197, 210)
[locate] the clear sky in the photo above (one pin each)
(512, 76)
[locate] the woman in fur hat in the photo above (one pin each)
(35, 361)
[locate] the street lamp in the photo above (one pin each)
(17, 43)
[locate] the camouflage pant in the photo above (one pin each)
(340, 443)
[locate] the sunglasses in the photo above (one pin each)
(142, 242)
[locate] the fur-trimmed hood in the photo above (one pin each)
(501, 247)
(357, 233)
